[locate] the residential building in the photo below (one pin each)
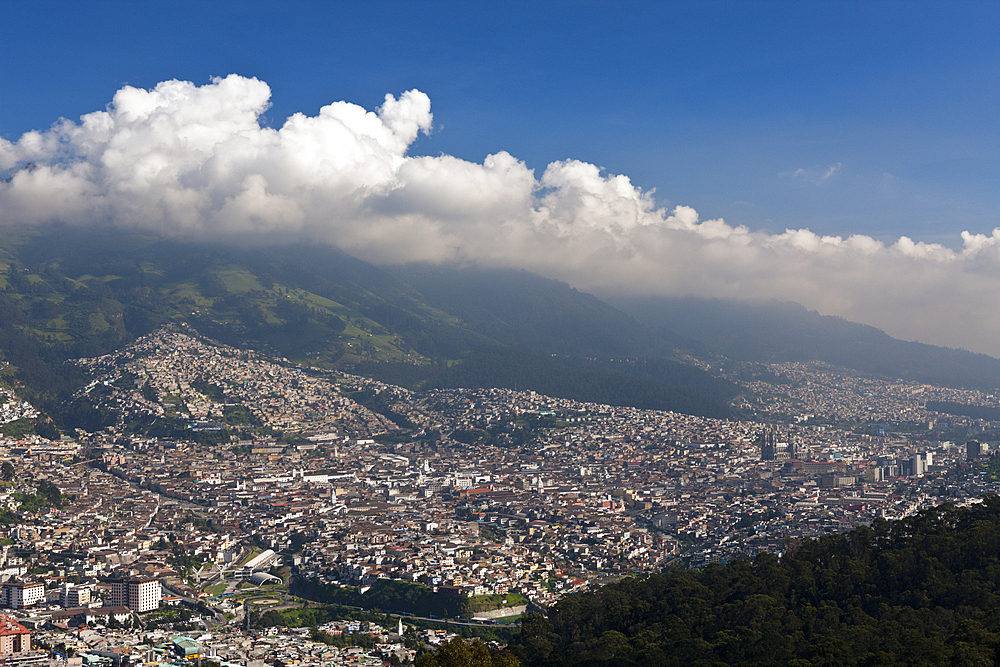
(71, 596)
(14, 638)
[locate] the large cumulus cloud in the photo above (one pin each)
(196, 162)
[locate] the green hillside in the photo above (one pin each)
(524, 311)
(67, 292)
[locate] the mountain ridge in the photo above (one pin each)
(776, 331)
(69, 292)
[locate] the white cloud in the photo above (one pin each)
(815, 175)
(195, 162)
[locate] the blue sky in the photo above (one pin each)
(839, 154)
(717, 105)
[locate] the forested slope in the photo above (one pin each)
(922, 591)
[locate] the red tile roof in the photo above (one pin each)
(9, 626)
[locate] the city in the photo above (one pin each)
(284, 486)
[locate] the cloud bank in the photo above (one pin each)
(196, 162)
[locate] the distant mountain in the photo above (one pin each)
(523, 310)
(772, 332)
(67, 292)
(575, 345)
(678, 388)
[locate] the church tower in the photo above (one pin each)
(766, 442)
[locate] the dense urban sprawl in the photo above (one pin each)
(281, 480)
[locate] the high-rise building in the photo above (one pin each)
(71, 596)
(973, 449)
(139, 594)
(875, 474)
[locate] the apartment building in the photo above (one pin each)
(140, 594)
(19, 594)
(14, 638)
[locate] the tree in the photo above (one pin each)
(50, 493)
(46, 429)
(7, 471)
(149, 393)
(474, 653)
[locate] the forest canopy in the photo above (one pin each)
(923, 590)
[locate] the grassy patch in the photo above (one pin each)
(509, 619)
(98, 323)
(323, 302)
(18, 428)
(253, 554)
(490, 602)
(239, 281)
(217, 589)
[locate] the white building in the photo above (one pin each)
(259, 562)
(18, 594)
(71, 596)
(139, 594)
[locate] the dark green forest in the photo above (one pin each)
(974, 411)
(921, 591)
(387, 594)
(692, 391)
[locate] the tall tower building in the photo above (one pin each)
(973, 449)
